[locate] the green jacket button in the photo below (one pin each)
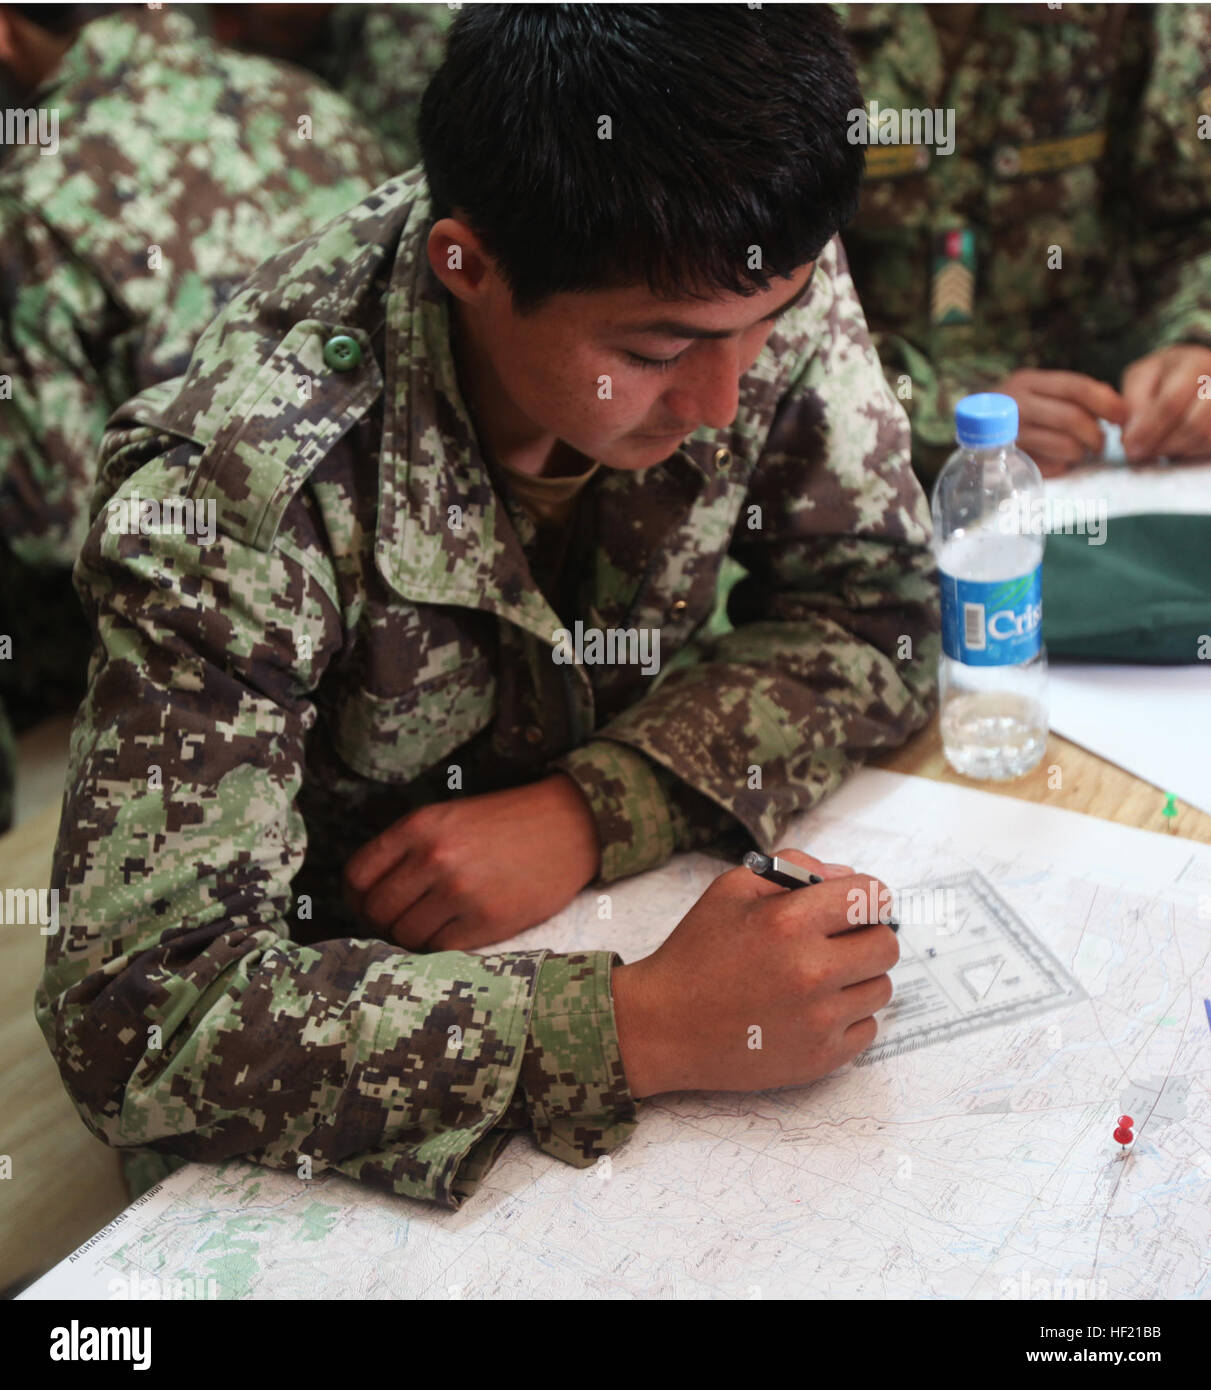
(342, 353)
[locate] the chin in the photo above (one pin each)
(665, 446)
(629, 452)
(641, 453)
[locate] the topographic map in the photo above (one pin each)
(968, 1154)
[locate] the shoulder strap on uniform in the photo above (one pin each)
(315, 385)
(288, 367)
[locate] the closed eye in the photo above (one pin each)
(656, 364)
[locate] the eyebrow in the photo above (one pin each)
(672, 328)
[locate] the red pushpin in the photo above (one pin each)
(1123, 1134)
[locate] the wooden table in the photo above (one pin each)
(1068, 777)
(65, 1184)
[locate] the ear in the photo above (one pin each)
(457, 258)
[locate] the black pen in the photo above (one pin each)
(788, 875)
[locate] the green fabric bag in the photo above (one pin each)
(1143, 596)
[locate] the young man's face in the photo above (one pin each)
(616, 375)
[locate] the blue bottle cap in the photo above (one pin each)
(986, 420)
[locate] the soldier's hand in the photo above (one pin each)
(1168, 395)
(755, 988)
(1058, 415)
(472, 872)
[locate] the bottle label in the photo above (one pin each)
(992, 622)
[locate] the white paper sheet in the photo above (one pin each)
(1178, 487)
(1154, 721)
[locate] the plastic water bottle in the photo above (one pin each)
(989, 548)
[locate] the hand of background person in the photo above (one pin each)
(1058, 415)
(1168, 396)
(751, 954)
(475, 871)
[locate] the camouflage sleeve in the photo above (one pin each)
(644, 813)
(1170, 183)
(930, 388)
(837, 624)
(182, 1016)
(576, 1095)
(573, 1095)
(53, 401)
(634, 820)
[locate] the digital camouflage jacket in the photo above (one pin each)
(364, 623)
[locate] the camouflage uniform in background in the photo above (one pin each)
(1075, 127)
(166, 141)
(311, 676)
(380, 58)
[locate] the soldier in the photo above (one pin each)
(406, 702)
(1060, 251)
(155, 172)
(379, 57)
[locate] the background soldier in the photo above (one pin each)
(177, 167)
(379, 57)
(325, 756)
(1062, 253)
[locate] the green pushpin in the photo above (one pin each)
(1170, 808)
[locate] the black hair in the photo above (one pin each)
(729, 131)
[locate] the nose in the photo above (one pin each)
(712, 393)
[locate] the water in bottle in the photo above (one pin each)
(993, 668)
